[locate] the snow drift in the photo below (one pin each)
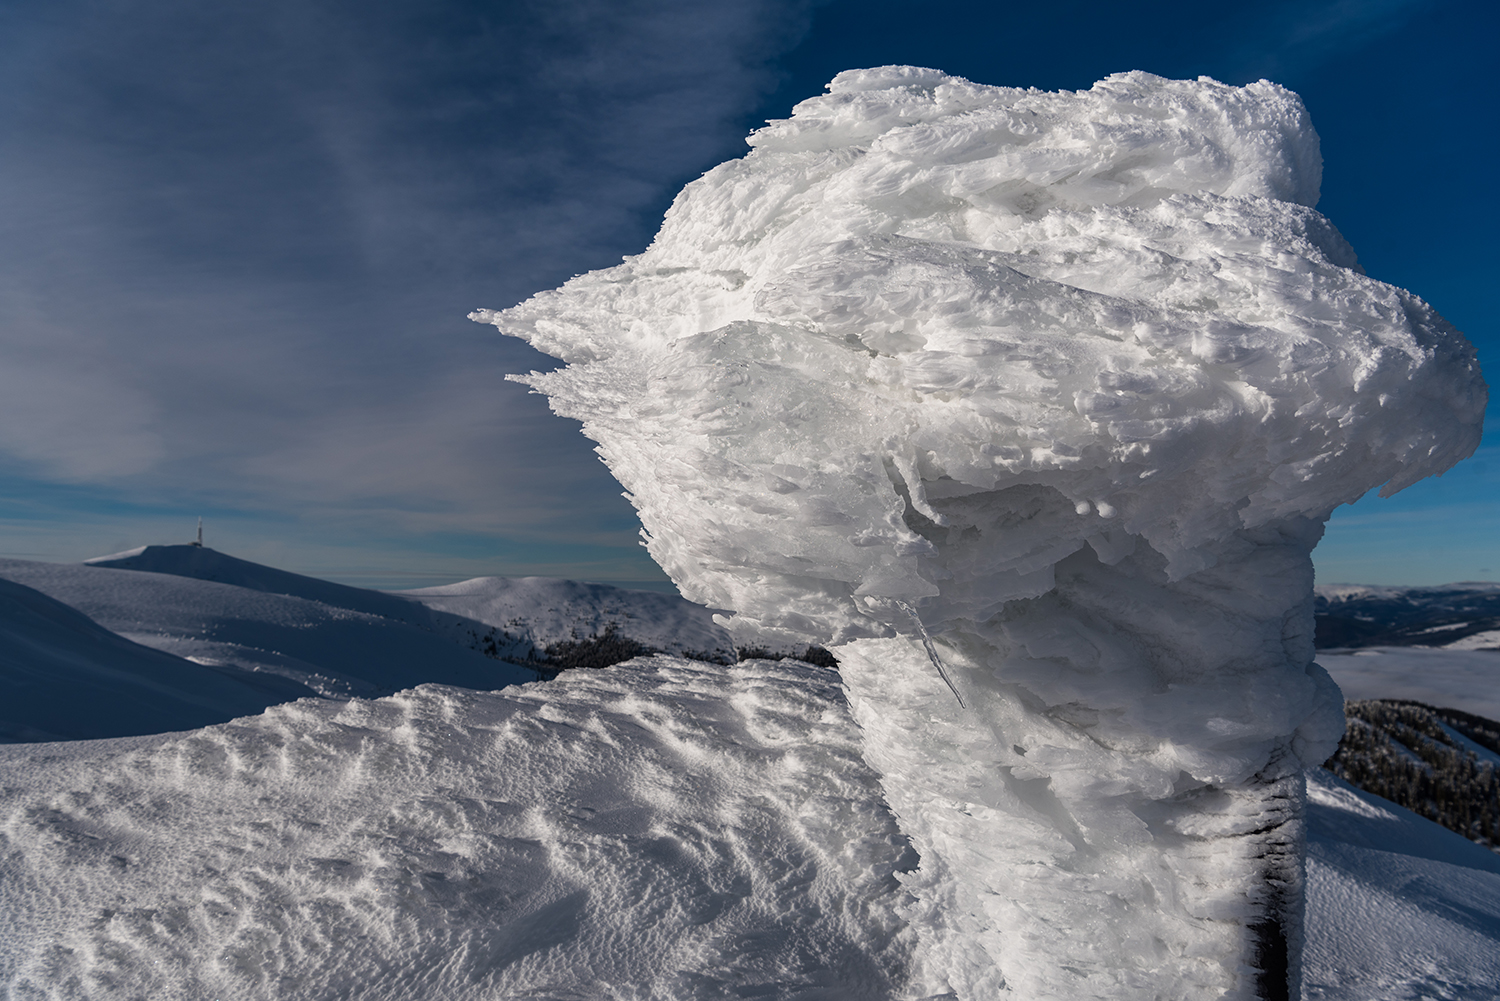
(663, 830)
(1051, 393)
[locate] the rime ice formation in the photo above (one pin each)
(1068, 383)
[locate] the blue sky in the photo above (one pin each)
(239, 242)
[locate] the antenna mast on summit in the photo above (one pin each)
(199, 543)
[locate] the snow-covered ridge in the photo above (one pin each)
(202, 563)
(1461, 616)
(530, 613)
(548, 610)
(64, 677)
(330, 647)
(174, 637)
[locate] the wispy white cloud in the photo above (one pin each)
(238, 241)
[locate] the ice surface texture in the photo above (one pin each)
(918, 291)
(663, 831)
(1077, 377)
(657, 831)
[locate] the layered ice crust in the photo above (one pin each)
(929, 338)
(1056, 389)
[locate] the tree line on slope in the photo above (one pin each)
(1412, 754)
(610, 647)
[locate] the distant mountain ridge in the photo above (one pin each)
(164, 638)
(202, 563)
(548, 611)
(524, 616)
(111, 633)
(65, 677)
(1462, 616)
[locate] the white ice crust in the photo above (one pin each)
(920, 287)
(1059, 387)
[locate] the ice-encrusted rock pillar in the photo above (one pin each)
(1038, 402)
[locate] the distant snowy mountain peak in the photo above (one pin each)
(287, 635)
(530, 613)
(202, 563)
(322, 637)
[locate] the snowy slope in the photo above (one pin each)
(662, 829)
(1398, 907)
(666, 829)
(535, 611)
(545, 610)
(65, 677)
(333, 649)
(203, 563)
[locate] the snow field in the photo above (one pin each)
(664, 829)
(344, 642)
(65, 677)
(1398, 908)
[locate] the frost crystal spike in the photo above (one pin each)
(1077, 377)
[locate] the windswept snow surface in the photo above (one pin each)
(664, 829)
(333, 649)
(547, 610)
(1049, 394)
(1398, 908)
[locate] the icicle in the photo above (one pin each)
(931, 650)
